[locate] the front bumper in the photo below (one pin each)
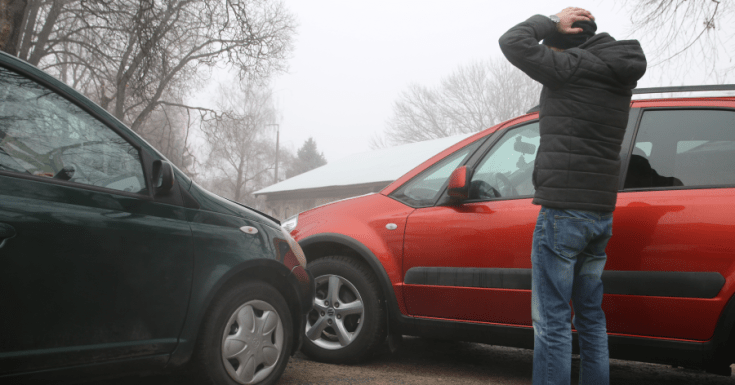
(302, 280)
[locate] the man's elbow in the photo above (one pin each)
(503, 41)
(506, 45)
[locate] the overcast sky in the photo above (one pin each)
(353, 58)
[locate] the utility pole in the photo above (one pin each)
(278, 137)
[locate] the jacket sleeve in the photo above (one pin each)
(521, 47)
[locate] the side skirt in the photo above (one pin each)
(111, 369)
(683, 353)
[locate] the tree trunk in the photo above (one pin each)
(11, 19)
(40, 49)
(238, 182)
(29, 25)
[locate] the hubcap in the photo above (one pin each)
(337, 316)
(252, 342)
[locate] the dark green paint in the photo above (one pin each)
(95, 275)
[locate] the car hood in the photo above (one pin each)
(338, 201)
(212, 202)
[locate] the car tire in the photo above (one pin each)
(246, 338)
(354, 328)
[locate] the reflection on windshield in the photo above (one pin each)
(507, 170)
(424, 190)
(43, 134)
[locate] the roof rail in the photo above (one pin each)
(658, 90)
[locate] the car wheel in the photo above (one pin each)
(246, 338)
(347, 323)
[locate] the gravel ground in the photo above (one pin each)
(426, 361)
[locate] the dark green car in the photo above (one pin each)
(112, 260)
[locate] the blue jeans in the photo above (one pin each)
(568, 258)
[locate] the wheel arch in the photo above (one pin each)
(721, 349)
(270, 271)
(323, 245)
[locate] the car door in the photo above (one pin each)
(92, 266)
(470, 261)
(673, 227)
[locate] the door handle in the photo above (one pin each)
(6, 232)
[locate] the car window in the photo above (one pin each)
(683, 148)
(43, 134)
(424, 189)
(507, 169)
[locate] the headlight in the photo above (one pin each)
(290, 223)
(295, 248)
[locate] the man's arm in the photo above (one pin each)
(521, 47)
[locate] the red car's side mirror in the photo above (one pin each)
(459, 183)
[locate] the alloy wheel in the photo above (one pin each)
(337, 316)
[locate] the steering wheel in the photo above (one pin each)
(508, 189)
(479, 189)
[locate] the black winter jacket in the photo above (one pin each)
(584, 103)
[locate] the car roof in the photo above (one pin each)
(702, 101)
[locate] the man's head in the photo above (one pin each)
(562, 41)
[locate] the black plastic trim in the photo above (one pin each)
(658, 90)
(636, 348)
(189, 201)
(642, 349)
(642, 283)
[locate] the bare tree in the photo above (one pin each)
(241, 151)
(140, 59)
(11, 21)
(684, 33)
(474, 97)
(170, 129)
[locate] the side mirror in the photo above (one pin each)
(459, 183)
(163, 177)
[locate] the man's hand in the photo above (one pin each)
(568, 16)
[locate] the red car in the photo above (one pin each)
(444, 251)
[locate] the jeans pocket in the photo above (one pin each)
(571, 235)
(541, 220)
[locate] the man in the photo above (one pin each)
(587, 80)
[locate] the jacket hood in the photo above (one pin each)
(625, 57)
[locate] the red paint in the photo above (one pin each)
(686, 230)
(458, 181)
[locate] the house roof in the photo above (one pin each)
(384, 165)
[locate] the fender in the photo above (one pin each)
(721, 348)
(198, 307)
(394, 312)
